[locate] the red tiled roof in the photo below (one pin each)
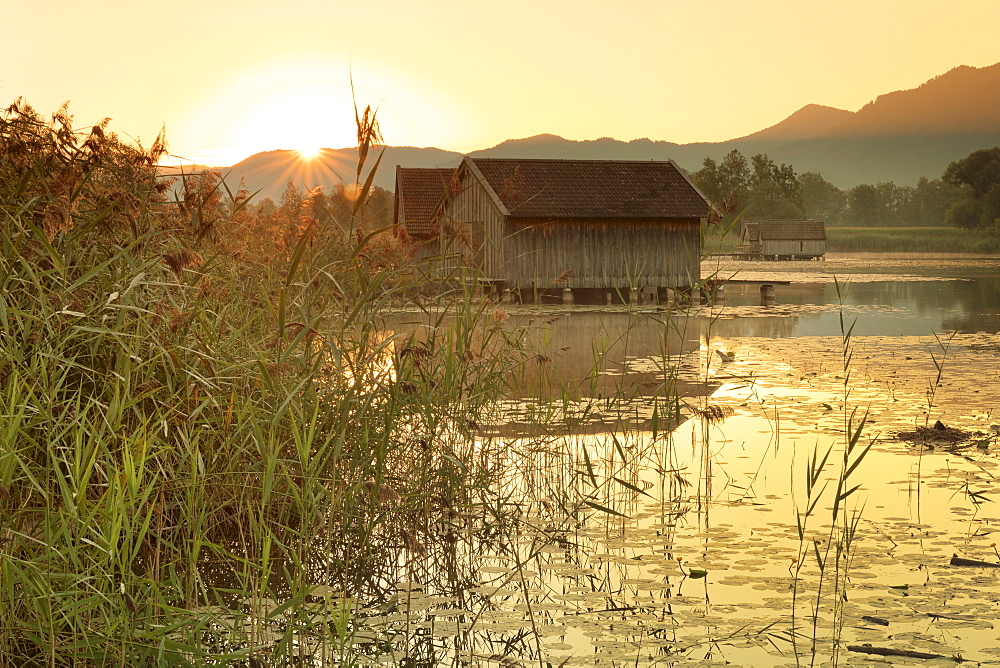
(592, 189)
(786, 230)
(418, 192)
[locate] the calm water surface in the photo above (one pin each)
(889, 294)
(716, 543)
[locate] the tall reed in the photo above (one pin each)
(205, 455)
(832, 550)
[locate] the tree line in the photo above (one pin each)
(966, 195)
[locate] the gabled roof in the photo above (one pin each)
(592, 188)
(786, 230)
(418, 193)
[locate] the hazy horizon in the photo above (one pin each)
(251, 77)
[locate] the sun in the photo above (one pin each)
(301, 106)
(289, 112)
(309, 151)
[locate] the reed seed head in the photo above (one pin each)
(384, 495)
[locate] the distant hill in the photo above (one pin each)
(900, 136)
(554, 146)
(267, 173)
(964, 101)
(844, 161)
(809, 122)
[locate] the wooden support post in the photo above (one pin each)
(567, 296)
(766, 294)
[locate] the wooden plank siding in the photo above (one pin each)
(475, 222)
(601, 254)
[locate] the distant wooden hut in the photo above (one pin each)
(784, 239)
(602, 230)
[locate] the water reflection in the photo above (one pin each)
(587, 351)
(965, 303)
(887, 307)
(609, 353)
(673, 548)
(589, 369)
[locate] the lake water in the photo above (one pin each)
(787, 522)
(901, 295)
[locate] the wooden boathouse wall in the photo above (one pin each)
(601, 254)
(471, 223)
(597, 253)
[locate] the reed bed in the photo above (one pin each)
(214, 448)
(878, 240)
(910, 240)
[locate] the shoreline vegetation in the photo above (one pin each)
(883, 240)
(966, 195)
(910, 239)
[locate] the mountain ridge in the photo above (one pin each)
(808, 122)
(900, 136)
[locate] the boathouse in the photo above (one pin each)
(784, 239)
(591, 230)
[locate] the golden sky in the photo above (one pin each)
(233, 77)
